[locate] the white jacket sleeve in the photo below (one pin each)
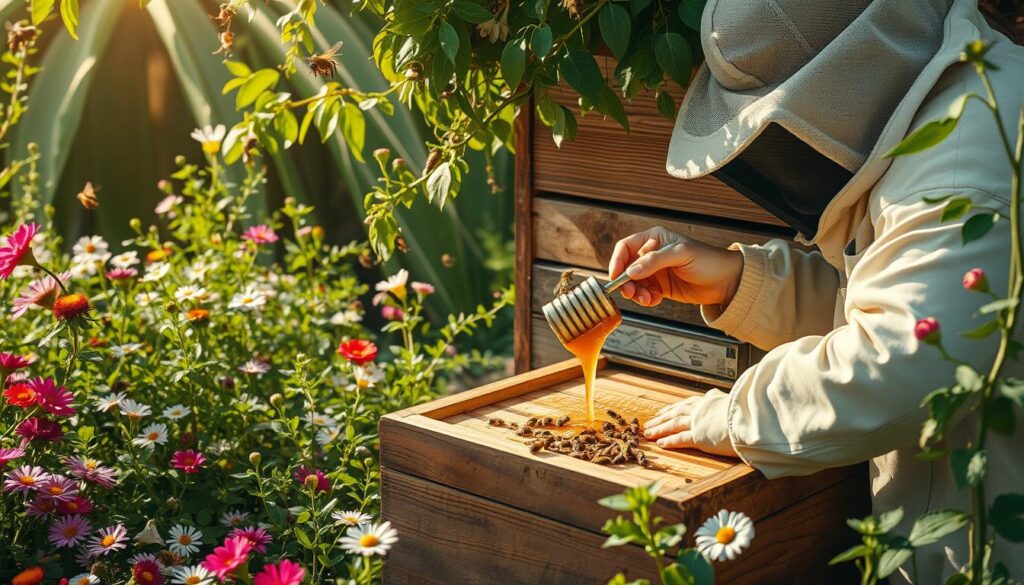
(784, 294)
(855, 392)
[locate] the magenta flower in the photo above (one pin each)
(260, 234)
(51, 397)
(188, 461)
(92, 470)
(11, 362)
(975, 280)
(148, 572)
(927, 330)
(26, 478)
(284, 573)
(226, 558)
(59, 488)
(111, 538)
(122, 274)
(41, 292)
(18, 250)
(322, 483)
(76, 505)
(41, 506)
(10, 454)
(40, 429)
(69, 531)
(258, 536)
(391, 313)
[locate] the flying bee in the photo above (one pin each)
(227, 39)
(223, 18)
(87, 196)
(565, 283)
(323, 64)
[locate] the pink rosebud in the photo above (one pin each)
(975, 280)
(927, 330)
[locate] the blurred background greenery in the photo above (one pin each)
(117, 106)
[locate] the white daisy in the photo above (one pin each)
(327, 435)
(167, 205)
(199, 269)
(369, 539)
(133, 409)
(184, 540)
(89, 266)
(319, 419)
(234, 518)
(209, 137)
(366, 377)
(125, 259)
(156, 271)
(119, 351)
(254, 367)
(84, 579)
(144, 299)
(177, 411)
(352, 518)
(112, 400)
(195, 575)
(725, 535)
(346, 317)
(89, 248)
(189, 293)
(250, 300)
(153, 434)
(394, 284)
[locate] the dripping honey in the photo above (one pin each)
(587, 349)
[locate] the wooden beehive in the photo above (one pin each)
(470, 502)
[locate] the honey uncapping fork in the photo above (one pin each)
(572, 314)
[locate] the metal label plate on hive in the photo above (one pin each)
(677, 347)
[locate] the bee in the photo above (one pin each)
(496, 422)
(525, 432)
(433, 159)
(223, 18)
(531, 422)
(641, 458)
(20, 34)
(536, 446)
(227, 39)
(447, 260)
(565, 283)
(547, 421)
(87, 197)
(323, 64)
(401, 244)
(562, 420)
(612, 414)
(601, 460)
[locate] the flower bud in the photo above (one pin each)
(135, 223)
(255, 458)
(311, 482)
(362, 452)
(975, 280)
(33, 148)
(172, 503)
(927, 330)
(228, 382)
(397, 164)
(382, 155)
(164, 185)
(318, 232)
(180, 160)
(276, 400)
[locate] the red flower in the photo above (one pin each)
(322, 483)
(20, 394)
(358, 351)
(32, 576)
(71, 306)
(51, 397)
(147, 572)
(927, 330)
(40, 429)
(975, 280)
(76, 505)
(284, 573)
(18, 249)
(188, 461)
(225, 559)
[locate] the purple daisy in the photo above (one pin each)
(92, 470)
(59, 488)
(68, 531)
(26, 478)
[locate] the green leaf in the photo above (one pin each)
(977, 226)
(254, 85)
(69, 14)
(1001, 417)
(893, 559)
(513, 62)
(998, 305)
(611, 105)
(353, 129)
(855, 552)
(1005, 516)
(237, 68)
(666, 106)
(958, 579)
(690, 12)
(303, 538)
(933, 526)
(1013, 389)
(675, 575)
(472, 12)
(931, 133)
(697, 565)
(541, 41)
(889, 520)
(40, 10)
(968, 378)
(674, 56)
(982, 331)
(438, 183)
(614, 22)
(449, 40)
(618, 502)
(409, 19)
(968, 466)
(580, 70)
(955, 209)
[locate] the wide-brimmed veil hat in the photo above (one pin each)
(831, 72)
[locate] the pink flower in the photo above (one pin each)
(260, 234)
(68, 531)
(422, 288)
(59, 488)
(122, 274)
(111, 538)
(10, 454)
(322, 483)
(147, 572)
(11, 362)
(18, 250)
(975, 280)
(258, 535)
(284, 573)
(41, 292)
(225, 559)
(42, 506)
(40, 429)
(92, 470)
(76, 505)
(927, 330)
(26, 478)
(188, 461)
(51, 397)
(391, 313)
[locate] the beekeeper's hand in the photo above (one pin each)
(672, 427)
(665, 265)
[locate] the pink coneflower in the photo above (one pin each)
(119, 275)
(147, 572)
(284, 573)
(41, 506)
(68, 531)
(322, 483)
(11, 362)
(225, 559)
(76, 505)
(51, 397)
(40, 293)
(109, 539)
(10, 454)
(59, 488)
(260, 234)
(26, 478)
(92, 470)
(40, 429)
(258, 535)
(188, 461)
(18, 249)
(71, 306)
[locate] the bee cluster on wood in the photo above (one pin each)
(615, 443)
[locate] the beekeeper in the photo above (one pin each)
(795, 107)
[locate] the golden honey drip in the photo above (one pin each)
(587, 349)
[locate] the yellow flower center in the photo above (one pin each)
(73, 506)
(211, 146)
(363, 383)
(185, 539)
(192, 580)
(108, 541)
(90, 248)
(82, 581)
(90, 464)
(368, 540)
(147, 575)
(28, 480)
(154, 436)
(725, 535)
(56, 490)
